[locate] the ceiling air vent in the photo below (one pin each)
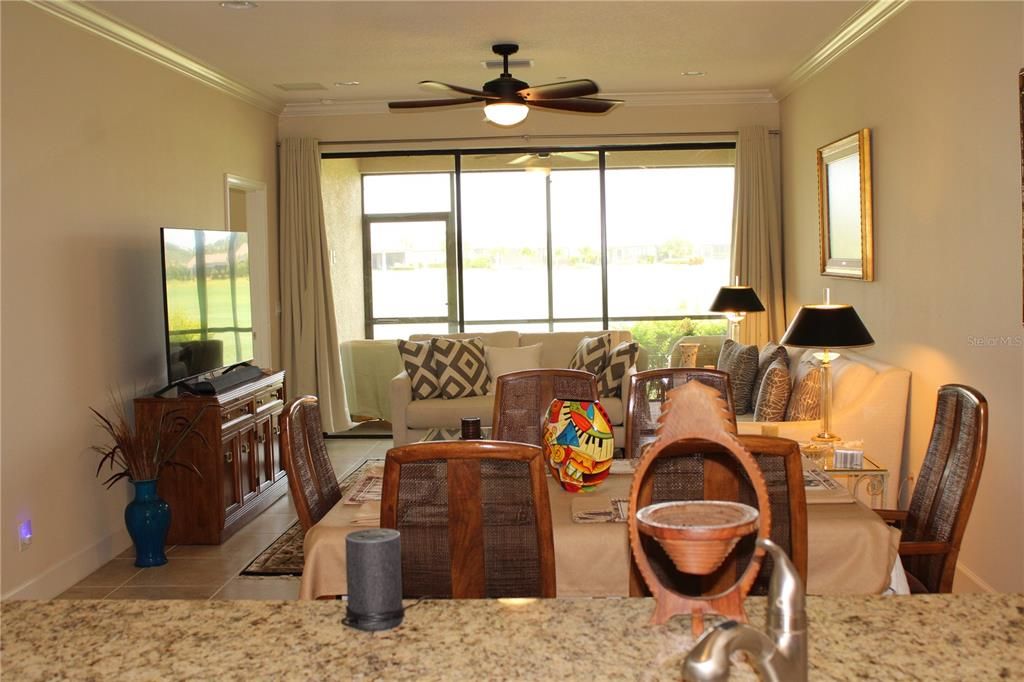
(297, 87)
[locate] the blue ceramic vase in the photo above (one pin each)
(147, 518)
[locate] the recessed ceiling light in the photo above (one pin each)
(238, 4)
(341, 84)
(328, 101)
(694, 73)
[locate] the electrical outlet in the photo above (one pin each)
(24, 535)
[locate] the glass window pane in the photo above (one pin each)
(522, 327)
(404, 331)
(504, 237)
(669, 238)
(408, 266)
(407, 193)
(578, 326)
(576, 242)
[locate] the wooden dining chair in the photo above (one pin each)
(521, 400)
(647, 398)
(474, 517)
(311, 478)
(699, 470)
(933, 526)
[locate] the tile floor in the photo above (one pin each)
(211, 571)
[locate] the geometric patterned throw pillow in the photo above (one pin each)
(592, 354)
(740, 363)
(420, 368)
(805, 403)
(774, 395)
(769, 354)
(621, 358)
(460, 366)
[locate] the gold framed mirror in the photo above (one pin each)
(845, 239)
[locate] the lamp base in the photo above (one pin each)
(825, 437)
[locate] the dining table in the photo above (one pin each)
(850, 549)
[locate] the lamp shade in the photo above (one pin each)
(826, 326)
(506, 113)
(736, 299)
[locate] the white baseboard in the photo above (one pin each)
(59, 578)
(967, 581)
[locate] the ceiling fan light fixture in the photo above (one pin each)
(506, 113)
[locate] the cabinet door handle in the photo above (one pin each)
(259, 402)
(277, 430)
(228, 456)
(245, 448)
(261, 438)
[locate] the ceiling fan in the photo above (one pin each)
(542, 156)
(508, 100)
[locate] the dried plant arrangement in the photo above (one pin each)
(140, 454)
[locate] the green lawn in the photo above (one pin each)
(183, 308)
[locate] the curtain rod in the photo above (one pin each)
(528, 138)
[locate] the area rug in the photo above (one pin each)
(284, 555)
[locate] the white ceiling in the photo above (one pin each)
(627, 47)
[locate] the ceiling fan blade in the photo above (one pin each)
(585, 105)
(561, 90)
(519, 160)
(578, 156)
(420, 103)
(445, 87)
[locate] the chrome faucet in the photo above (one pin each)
(780, 655)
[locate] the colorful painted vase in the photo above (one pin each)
(578, 443)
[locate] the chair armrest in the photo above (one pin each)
(892, 515)
(918, 548)
(401, 396)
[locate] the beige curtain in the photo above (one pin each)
(309, 336)
(757, 234)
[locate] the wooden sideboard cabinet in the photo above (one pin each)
(240, 463)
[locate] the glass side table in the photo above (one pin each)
(874, 478)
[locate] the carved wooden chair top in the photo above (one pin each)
(474, 516)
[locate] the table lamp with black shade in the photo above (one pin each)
(826, 326)
(736, 301)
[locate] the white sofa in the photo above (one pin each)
(869, 403)
(412, 419)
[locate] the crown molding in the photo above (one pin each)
(857, 28)
(634, 99)
(103, 25)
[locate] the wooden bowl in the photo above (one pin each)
(697, 534)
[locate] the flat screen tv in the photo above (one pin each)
(207, 309)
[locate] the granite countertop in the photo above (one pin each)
(938, 637)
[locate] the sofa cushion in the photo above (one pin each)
(506, 339)
(849, 381)
(440, 413)
(419, 365)
(740, 363)
(769, 354)
(460, 367)
(504, 360)
(620, 359)
(805, 402)
(591, 354)
(613, 408)
(773, 396)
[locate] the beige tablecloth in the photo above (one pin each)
(850, 550)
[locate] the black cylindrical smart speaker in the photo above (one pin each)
(373, 559)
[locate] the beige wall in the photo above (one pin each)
(343, 216)
(236, 210)
(936, 85)
(101, 147)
